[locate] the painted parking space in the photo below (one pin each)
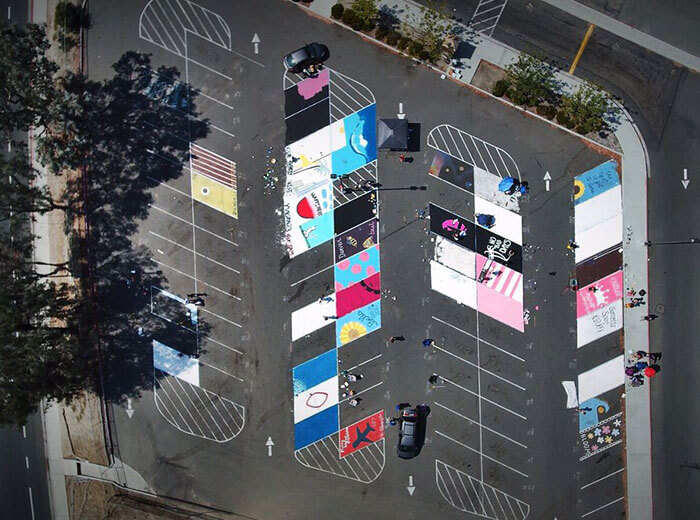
(329, 159)
(213, 180)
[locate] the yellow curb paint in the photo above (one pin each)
(214, 194)
(583, 46)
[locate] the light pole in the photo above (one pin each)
(694, 240)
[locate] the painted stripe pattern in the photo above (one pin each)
(212, 165)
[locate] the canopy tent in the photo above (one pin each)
(392, 134)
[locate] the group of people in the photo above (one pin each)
(351, 378)
(642, 364)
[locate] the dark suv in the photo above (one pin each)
(412, 431)
(310, 54)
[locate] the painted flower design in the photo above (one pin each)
(616, 432)
(608, 439)
(351, 331)
(590, 435)
(597, 431)
(594, 447)
(606, 429)
(617, 422)
(600, 440)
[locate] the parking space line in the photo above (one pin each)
(481, 454)
(312, 275)
(479, 424)
(199, 93)
(219, 370)
(224, 239)
(177, 408)
(212, 417)
(177, 394)
(602, 507)
(365, 362)
(603, 478)
(478, 339)
(484, 398)
(233, 419)
(202, 309)
(437, 347)
(195, 279)
(195, 252)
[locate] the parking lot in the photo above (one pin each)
(500, 441)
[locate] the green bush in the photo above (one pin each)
(67, 17)
(563, 118)
(404, 42)
(532, 80)
(393, 38)
(337, 11)
(366, 11)
(547, 111)
(369, 25)
(348, 17)
(501, 87)
(381, 32)
(415, 48)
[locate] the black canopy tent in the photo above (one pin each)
(392, 134)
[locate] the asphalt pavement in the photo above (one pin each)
(252, 288)
(23, 485)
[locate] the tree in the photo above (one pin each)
(26, 78)
(366, 11)
(532, 80)
(588, 108)
(432, 29)
(19, 191)
(41, 355)
(68, 20)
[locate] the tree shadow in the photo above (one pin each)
(132, 132)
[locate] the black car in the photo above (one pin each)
(412, 431)
(310, 54)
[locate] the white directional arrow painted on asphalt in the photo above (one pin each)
(256, 42)
(547, 178)
(269, 445)
(401, 115)
(685, 180)
(411, 488)
(129, 408)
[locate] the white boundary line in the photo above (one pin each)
(193, 251)
(196, 280)
(481, 454)
(196, 226)
(316, 273)
(478, 339)
(602, 507)
(481, 397)
(479, 424)
(437, 347)
(603, 478)
(219, 370)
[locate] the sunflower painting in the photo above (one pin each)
(351, 331)
(358, 323)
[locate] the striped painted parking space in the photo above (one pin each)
(195, 410)
(324, 455)
(213, 165)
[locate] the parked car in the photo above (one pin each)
(310, 54)
(412, 431)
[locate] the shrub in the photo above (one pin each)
(532, 80)
(366, 11)
(547, 111)
(348, 17)
(381, 32)
(415, 48)
(337, 11)
(588, 108)
(357, 24)
(563, 118)
(393, 38)
(67, 17)
(404, 42)
(501, 87)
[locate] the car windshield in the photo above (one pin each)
(299, 56)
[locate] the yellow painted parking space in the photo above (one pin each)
(214, 194)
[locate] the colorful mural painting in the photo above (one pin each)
(320, 151)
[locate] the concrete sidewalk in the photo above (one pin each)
(635, 168)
